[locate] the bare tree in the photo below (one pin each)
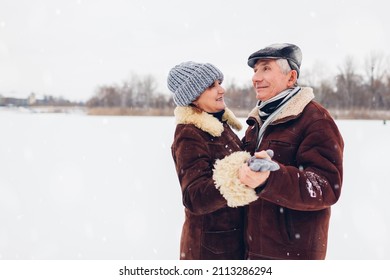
(147, 90)
(376, 73)
(127, 94)
(348, 84)
(240, 98)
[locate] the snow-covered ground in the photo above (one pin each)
(86, 187)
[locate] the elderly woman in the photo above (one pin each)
(211, 229)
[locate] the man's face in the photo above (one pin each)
(268, 79)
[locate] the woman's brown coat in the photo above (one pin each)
(211, 229)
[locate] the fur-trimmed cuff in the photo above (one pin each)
(227, 182)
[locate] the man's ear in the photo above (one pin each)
(293, 76)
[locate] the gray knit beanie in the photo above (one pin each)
(189, 80)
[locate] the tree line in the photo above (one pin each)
(348, 89)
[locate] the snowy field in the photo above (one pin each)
(86, 187)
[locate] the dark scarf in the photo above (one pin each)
(269, 106)
(218, 115)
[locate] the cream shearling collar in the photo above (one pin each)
(293, 108)
(205, 121)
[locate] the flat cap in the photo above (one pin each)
(287, 51)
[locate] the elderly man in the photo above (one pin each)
(290, 219)
(289, 210)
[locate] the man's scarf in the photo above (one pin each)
(271, 107)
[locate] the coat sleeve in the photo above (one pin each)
(194, 169)
(315, 182)
(226, 180)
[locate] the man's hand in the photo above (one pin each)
(260, 162)
(253, 179)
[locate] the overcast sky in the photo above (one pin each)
(70, 47)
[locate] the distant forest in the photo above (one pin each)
(348, 94)
(353, 92)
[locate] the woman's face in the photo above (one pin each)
(211, 100)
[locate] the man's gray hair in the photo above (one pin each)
(285, 67)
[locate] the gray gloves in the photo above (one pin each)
(262, 164)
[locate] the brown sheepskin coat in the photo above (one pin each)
(211, 229)
(289, 216)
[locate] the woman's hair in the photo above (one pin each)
(196, 108)
(285, 67)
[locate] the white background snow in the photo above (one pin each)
(85, 187)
